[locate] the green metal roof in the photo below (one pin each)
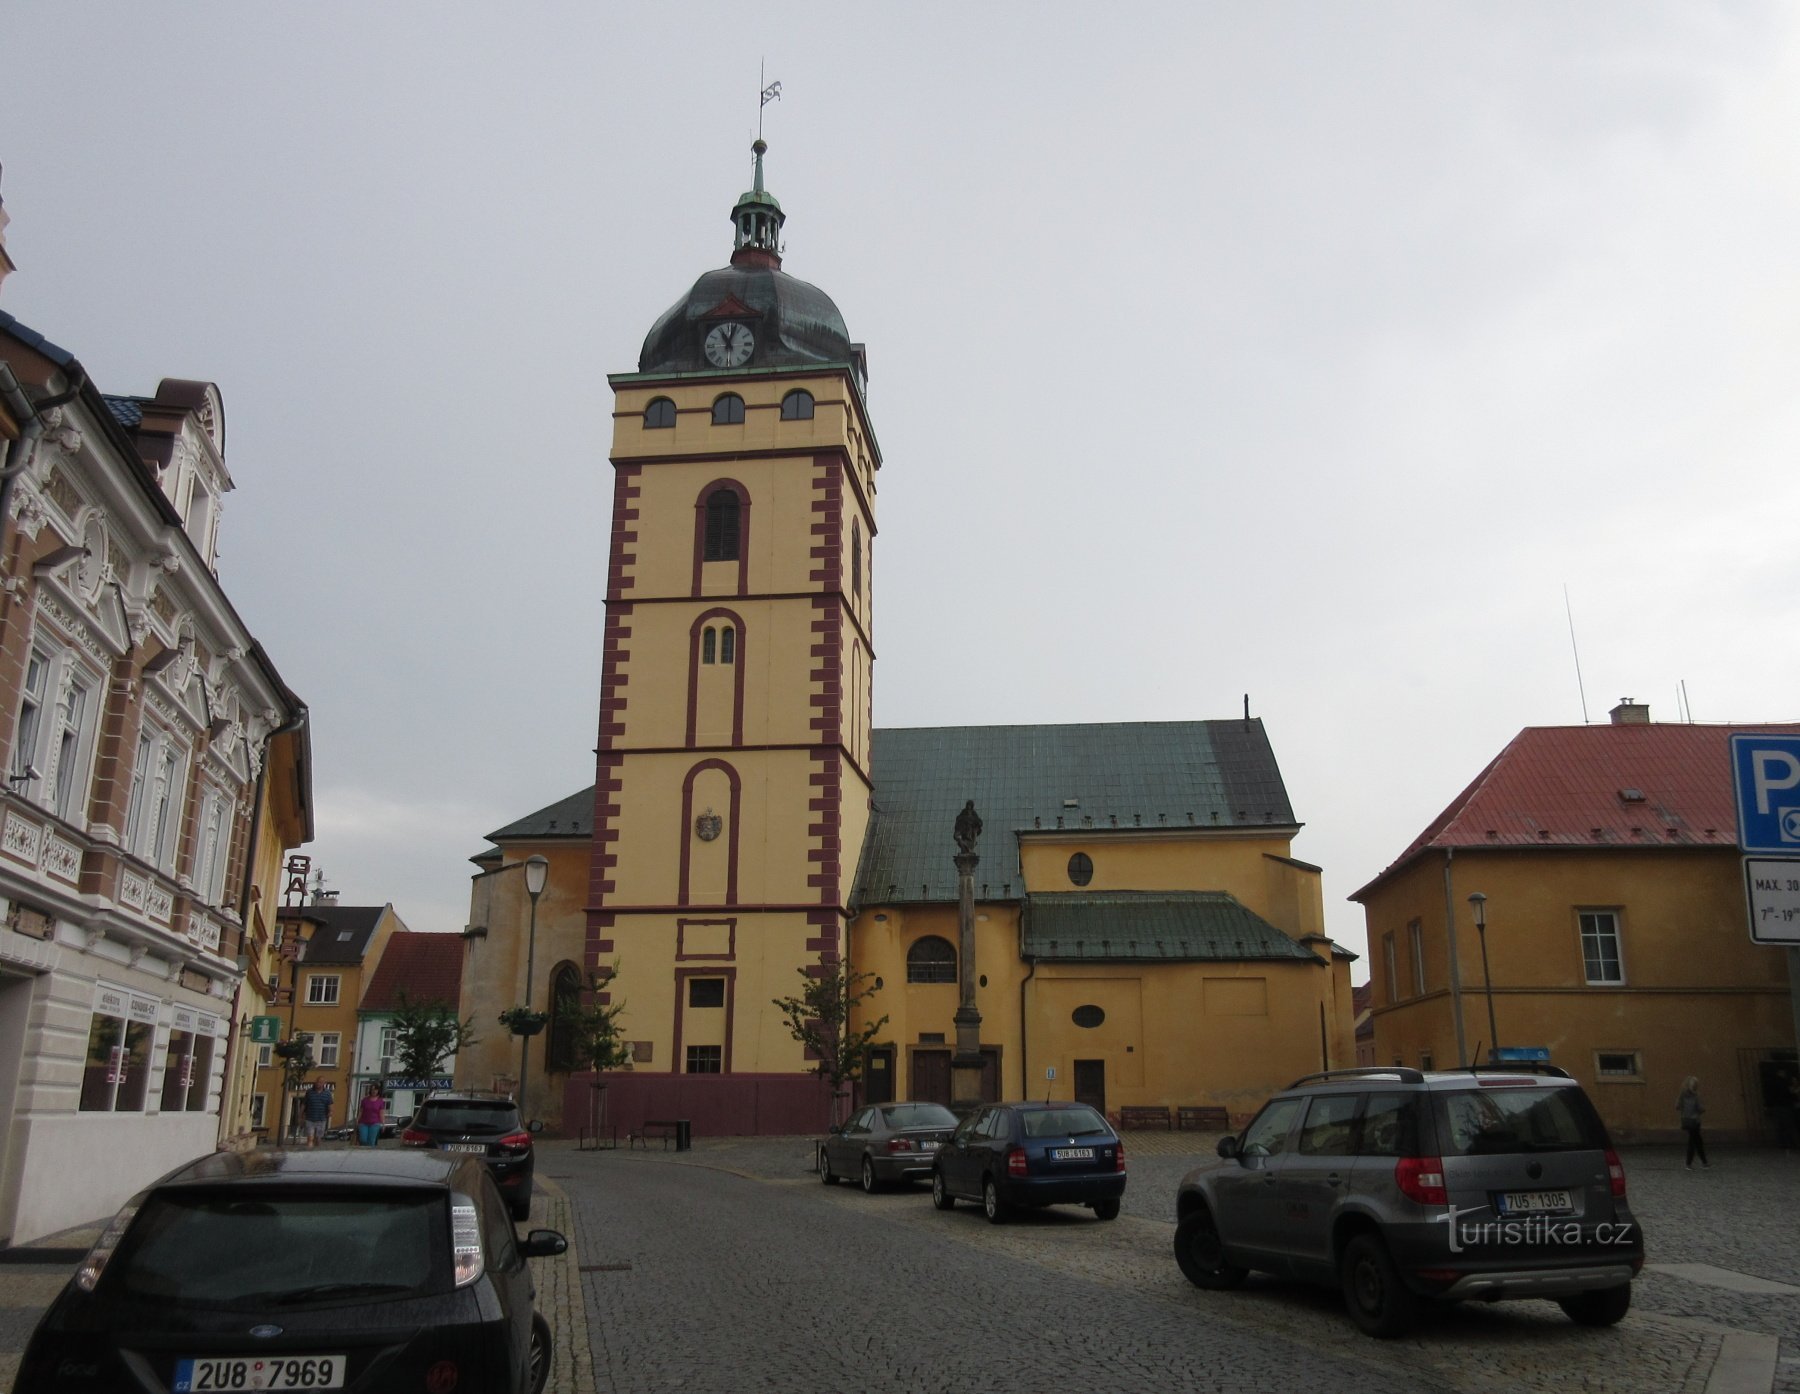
(570, 817)
(1122, 777)
(1209, 926)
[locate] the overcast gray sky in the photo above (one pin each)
(1303, 351)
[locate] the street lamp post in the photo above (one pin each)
(1479, 901)
(537, 872)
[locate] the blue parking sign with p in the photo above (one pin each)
(1766, 773)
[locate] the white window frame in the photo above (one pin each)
(216, 810)
(28, 729)
(54, 734)
(72, 756)
(1393, 976)
(259, 1111)
(158, 794)
(265, 1055)
(315, 989)
(1600, 934)
(1415, 941)
(328, 1043)
(140, 787)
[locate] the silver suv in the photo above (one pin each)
(1405, 1187)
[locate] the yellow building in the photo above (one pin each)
(339, 947)
(1616, 931)
(747, 824)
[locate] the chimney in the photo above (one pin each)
(1630, 713)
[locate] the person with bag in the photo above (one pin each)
(1689, 1108)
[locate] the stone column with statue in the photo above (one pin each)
(966, 1063)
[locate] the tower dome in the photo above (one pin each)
(791, 324)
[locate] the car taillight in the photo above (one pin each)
(519, 1139)
(1422, 1179)
(465, 1240)
(1615, 1173)
(901, 1144)
(415, 1137)
(1016, 1164)
(95, 1263)
(1119, 1158)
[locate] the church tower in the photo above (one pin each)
(733, 789)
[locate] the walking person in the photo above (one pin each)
(315, 1112)
(369, 1117)
(1689, 1108)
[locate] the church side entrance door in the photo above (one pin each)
(931, 1076)
(1090, 1083)
(878, 1077)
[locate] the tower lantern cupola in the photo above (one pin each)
(757, 219)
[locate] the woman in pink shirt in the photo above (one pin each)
(368, 1117)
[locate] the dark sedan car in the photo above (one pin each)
(1012, 1155)
(482, 1125)
(886, 1143)
(339, 1270)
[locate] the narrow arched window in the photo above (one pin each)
(722, 524)
(856, 559)
(797, 406)
(565, 1012)
(727, 645)
(729, 410)
(708, 637)
(931, 960)
(659, 415)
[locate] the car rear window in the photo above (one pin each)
(1483, 1121)
(467, 1116)
(919, 1116)
(1065, 1122)
(285, 1248)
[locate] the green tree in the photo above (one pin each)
(426, 1034)
(820, 1019)
(296, 1060)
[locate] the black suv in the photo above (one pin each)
(1406, 1187)
(352, 1271)
(482, 1125)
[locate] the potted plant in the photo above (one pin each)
(522, 1021)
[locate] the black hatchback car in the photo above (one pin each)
(1008, 1156)
(481, 1125)
(321, 1270)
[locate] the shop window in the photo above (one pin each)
(116, 1078)
(797, 406)
(728, 410)
(659, 415)
(931, 960)
(187, 1072)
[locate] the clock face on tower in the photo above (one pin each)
(729, 345)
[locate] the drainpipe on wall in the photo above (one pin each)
(1462, 1041)
(1024, 1039)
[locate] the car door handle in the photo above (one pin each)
(1334, 1180)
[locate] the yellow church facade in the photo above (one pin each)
(747, 825)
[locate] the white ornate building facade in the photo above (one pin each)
(155, 769)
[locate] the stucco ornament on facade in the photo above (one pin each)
(62, 858)
(21, 838)
(28, 510)
(708, 826)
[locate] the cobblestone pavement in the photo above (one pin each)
(881, 1283)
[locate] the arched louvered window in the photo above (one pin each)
(709, 638)
(564, 1049)
(931, 960)
(722, 525)
(659, 415)
(797, 406)
(728, 410)
(727, 645)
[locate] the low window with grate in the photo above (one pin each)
(1617, 1064)
(705, 1060)
(1081, 869)
(931, 960)
(1087, 1017)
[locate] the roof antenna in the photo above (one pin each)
(1686, 706)
(1577, 652)
(1246, 711)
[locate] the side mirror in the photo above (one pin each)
(1228, 1147)
(536, 1125)
(543, 1243)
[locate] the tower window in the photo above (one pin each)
(706, 992)
(797, 406)
(856, 559)
(931, 960)
(708, 640)
(1081, 869)
(722, 515)
(727, 644)
(659, 415)
(728, 410)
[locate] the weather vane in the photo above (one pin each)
(770, 93)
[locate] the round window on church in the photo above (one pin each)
(1081, 868)
(1087, 1017)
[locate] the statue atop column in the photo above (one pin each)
(968, 828)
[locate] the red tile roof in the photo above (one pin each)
(1634, 785)
(426, 967)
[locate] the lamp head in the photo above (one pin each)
(1479, 901)
(537, 874)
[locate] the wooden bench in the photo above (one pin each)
(1203, 1118)
(670, 1130)
(1144, 1116)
